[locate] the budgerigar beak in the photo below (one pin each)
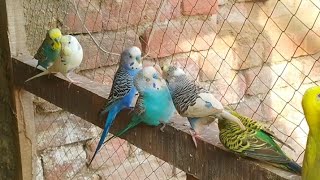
(164, 69)
(57, 40)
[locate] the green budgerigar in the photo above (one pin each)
(256, 142)
(49, 51)
(70, 57)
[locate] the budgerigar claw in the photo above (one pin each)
(186, 124)
(71, 81)
(194, 135)
(131, 109)
(162, 128)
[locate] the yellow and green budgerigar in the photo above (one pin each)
(256, 141)
(311, 109)
(70, 57)
(49, 51)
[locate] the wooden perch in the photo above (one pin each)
(174, 145)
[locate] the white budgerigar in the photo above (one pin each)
(71, 56)
(194, 102)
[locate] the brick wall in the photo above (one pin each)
(254, 56)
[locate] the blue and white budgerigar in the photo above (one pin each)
(123, 91)
(154, 105)
(49, 51)
(194, 102)
(70, 57)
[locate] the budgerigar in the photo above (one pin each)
(154, 104)
(123, 91)
(70, 57)
(256, 142)
(49, 51)
(194, 102)
(311, 109)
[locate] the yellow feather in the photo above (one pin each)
(311, 109)
(55, 35)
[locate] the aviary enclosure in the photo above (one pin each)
(257, 57)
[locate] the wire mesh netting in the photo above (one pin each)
(258, 57)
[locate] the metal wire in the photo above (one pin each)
(118, 32)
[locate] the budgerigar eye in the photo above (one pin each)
(318, 96)
(69, 42)
(147, 79)
(130, 56)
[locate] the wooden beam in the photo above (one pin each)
(174, 145)
(10, 161)
(190, 177)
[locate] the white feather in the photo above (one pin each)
(71, 57)
(206, 105)
(45, 72)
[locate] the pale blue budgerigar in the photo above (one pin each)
(194, 102)
(154, 105)
(123, 91)
(49, 51)
(70, 57)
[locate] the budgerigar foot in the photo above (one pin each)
(186, 124)
(71, 81)
(130, 109)
(163, 126)
(194, 135)
(170, 123)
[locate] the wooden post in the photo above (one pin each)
(25, 117)
(10, 161)
(16, 27)
(23, 99)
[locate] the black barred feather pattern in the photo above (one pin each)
(241, 141)
(184, 92)
(40, 55)
(121, 86)
(254, 142)
(234, 141)
(139, 107)
(255, 125)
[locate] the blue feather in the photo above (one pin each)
(110, 118)
(115, 108)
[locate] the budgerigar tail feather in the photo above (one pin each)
(228, 116)
(131, 125)
(290, 166)
(38, 75)
(111, 116)
(278, 140)
(294, 167)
